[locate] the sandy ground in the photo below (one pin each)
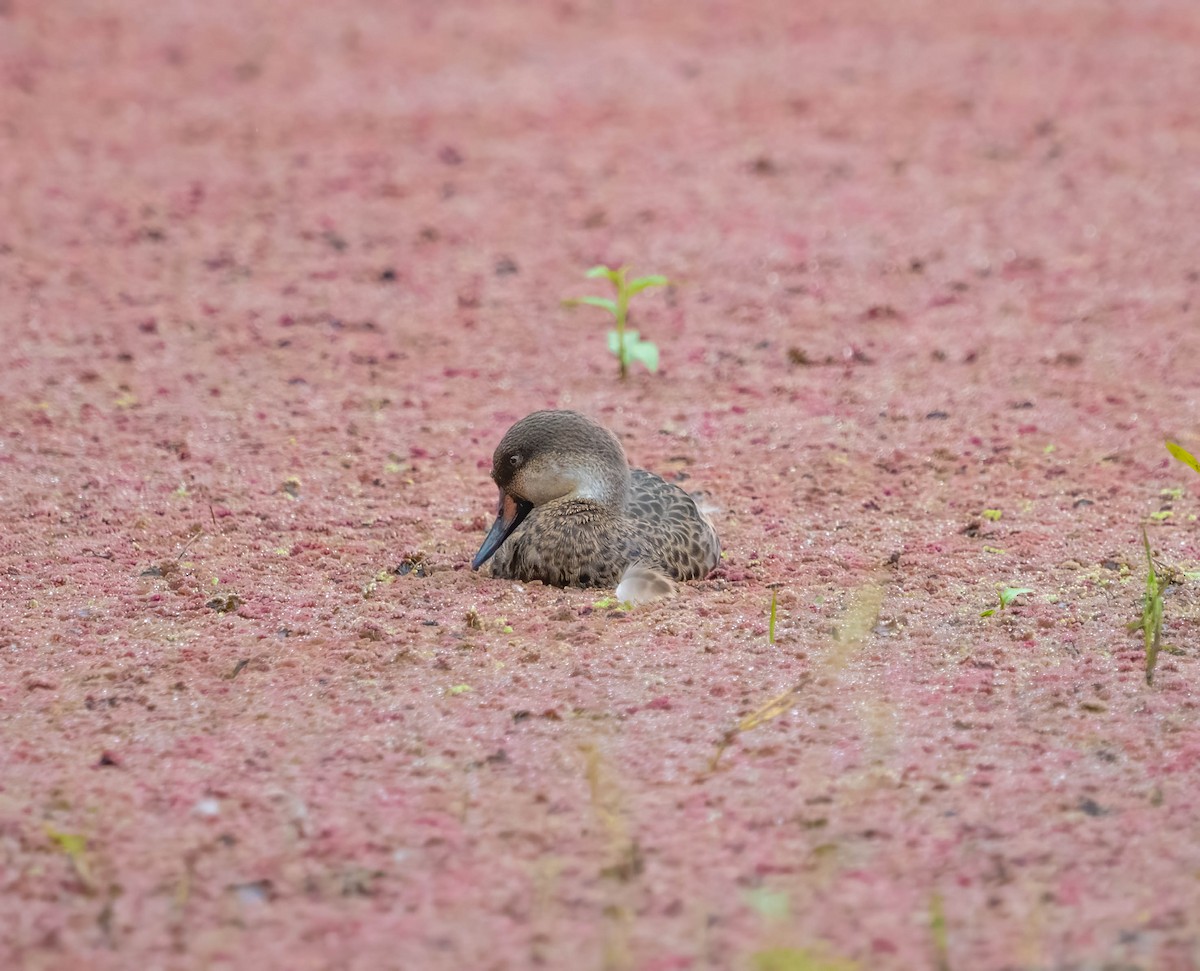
(276, 277)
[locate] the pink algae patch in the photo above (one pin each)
(277, 277)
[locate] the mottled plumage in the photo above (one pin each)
(573, 513)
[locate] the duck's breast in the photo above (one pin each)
(574, 543)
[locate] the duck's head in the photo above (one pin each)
(553, 455)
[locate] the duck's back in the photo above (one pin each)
(671, 530)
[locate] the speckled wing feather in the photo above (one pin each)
(671, 530)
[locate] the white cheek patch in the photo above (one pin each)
(543, 484)
(591, 486)
(545, 481)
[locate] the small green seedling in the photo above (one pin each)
(1150, 623)
(1007, 596)
(1152, 613)
(771, 621)
(627, 345)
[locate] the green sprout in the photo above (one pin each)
(771, 621)
(1007, 596)
(627, 345)
(1152, 612)
(1151, 620)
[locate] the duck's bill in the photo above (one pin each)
(510, 515)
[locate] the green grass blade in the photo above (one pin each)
(1152, 612)
(771, 622)
(937, 930)
(1184, 456)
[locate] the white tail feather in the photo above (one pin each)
(641, 584)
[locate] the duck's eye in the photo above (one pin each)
(514, 460)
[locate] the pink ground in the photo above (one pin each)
(276, 277)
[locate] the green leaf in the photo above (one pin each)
(992, 514)
(642, 282)
(1184, 456)
(646, 353)
(612, 603)
(774, 905)
(987, 613)
(602, 302)
(74, 846)
(602, 271)
(1009, 594)
(70, 843)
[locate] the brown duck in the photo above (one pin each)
(573, 513)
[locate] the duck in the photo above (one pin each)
(573, 513)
